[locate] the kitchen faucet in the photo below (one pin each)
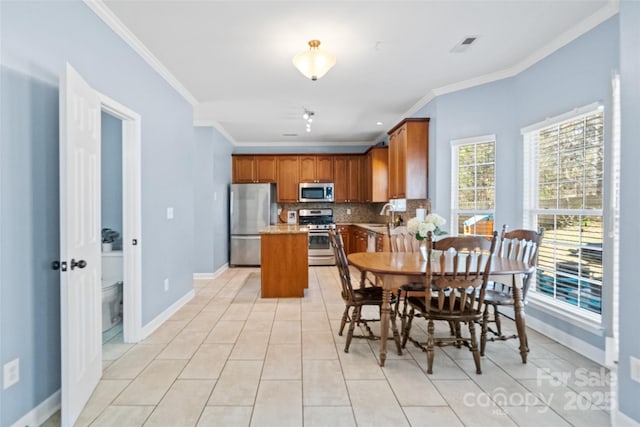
(391, 209)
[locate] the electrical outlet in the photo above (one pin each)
(634, 367)
(169, 213)
(166, 284)
(215, 196)
(348, 211)
(11, 373)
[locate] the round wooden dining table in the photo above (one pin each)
(397, 268)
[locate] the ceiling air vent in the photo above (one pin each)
(464, 44)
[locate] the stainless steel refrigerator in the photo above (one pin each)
(252, 208)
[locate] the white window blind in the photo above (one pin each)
(614, 228)
(473, 185)
(563, 188)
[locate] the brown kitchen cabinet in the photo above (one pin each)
(408, 159)
(252, 169)
(316, 168)
(284, 269)
(375, 175)
(345, 232)
(287, 182)
(358, 240)
(346, 173)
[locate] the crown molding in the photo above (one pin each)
(217, 126)
(562, 40)
(109, 18)
(304, 143)
(117, 26)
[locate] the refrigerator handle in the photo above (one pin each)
(231, 205)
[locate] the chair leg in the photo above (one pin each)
(355, 318)
(452, 328)
(396, 334)
(343, 322)
(404, 309)
(474, 346)
(458, 334)
(430, 345)
(397, 309)
(407, 328)
(496, 320)
(485, 327)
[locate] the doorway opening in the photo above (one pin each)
(123, 208)
(111, 219)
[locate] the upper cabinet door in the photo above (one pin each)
(316, 168)
(266, 168)
(308, 168)
(244, 170)
(324, 168)
(251, 169)
(287, 184)
(341, 185)
(408, 159)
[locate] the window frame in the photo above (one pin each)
(573, 313)
(455, 210)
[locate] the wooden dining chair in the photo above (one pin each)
(521, 245)
(400, 240)
(356, 298)
(456, 296)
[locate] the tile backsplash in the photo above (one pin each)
(368, 213)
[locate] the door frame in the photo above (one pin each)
(132, 213)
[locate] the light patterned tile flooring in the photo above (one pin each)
(229, 357)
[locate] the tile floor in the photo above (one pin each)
(231, 358)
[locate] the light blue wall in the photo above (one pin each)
(111, 148)
(212, 170)
(567, 79)
(630, 205)
(38, 38)
(482, 110)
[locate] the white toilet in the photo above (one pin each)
(111, 289)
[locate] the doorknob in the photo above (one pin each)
(80, 263)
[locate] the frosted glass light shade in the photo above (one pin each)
(314, 63)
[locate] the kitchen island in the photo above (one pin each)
(284, 261)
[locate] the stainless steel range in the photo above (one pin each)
(319, 222)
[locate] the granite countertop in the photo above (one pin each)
(285, 229)
(376, 228)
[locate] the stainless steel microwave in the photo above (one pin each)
(315, 192)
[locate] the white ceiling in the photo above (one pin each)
(233, 58)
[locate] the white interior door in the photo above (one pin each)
(80, 294)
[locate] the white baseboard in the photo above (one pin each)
(584, 348)
(41, 413)
(210, 276)
(203, 276)
(150, 327)
(621, 420)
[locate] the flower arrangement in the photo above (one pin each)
(420, 228)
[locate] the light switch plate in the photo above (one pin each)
(634, 368)
(11, 373)
(169, 213)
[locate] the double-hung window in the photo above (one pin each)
(563, 192)
(473, 185)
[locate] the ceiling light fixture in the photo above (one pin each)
(314, 63)
(308, 118)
